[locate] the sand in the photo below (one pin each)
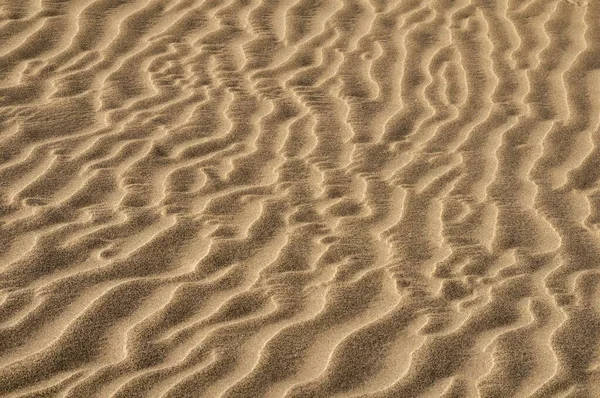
(299, 198)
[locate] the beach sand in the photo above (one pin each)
(299, 198)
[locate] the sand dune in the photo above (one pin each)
(299, 198)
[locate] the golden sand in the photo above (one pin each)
(299, 198)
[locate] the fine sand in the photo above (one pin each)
(299, 198)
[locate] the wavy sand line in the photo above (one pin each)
(269, 198)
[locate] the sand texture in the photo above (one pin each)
(299, 198)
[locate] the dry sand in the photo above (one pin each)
(299, 198)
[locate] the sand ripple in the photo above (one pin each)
(299, 198)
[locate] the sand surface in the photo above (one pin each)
(299, 198)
